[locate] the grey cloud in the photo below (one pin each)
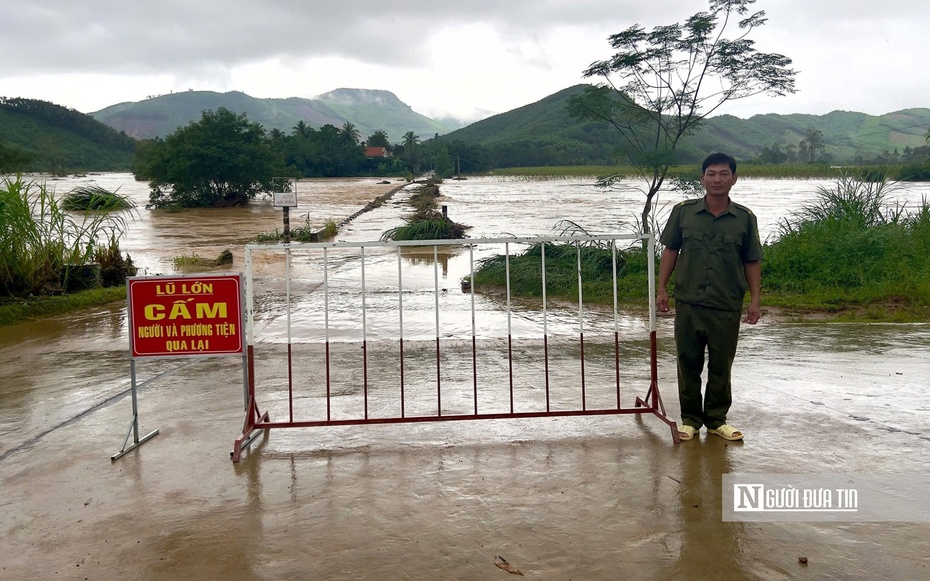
(137, 37)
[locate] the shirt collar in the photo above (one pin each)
(702, 207)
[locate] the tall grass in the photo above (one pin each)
(562, 262)
(41, 244)
(854, 245)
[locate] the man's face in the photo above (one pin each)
(718, 179)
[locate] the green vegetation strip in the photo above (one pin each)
(16, 310)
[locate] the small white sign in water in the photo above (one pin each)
(285, 199)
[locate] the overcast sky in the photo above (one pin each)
(441, 57)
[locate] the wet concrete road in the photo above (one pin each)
(564, 498)
(585, 498)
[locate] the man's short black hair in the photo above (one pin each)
(717, 159)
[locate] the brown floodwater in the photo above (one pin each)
(558, 498)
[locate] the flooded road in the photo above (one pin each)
(564, 498)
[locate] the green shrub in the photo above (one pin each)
(597, 266)
(41, 244)
(852, 246)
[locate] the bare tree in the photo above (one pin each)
(659, 85)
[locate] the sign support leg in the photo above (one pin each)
(134, 424)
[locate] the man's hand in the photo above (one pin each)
(753, 313)
(662, 300)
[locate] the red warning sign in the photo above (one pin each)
(186, 315)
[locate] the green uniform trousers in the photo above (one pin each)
(698, 329)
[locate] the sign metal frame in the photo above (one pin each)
(183, 308)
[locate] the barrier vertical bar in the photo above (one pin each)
(249, 317)
(326, 330)
(545, 319)
(287, 306)
(509, 326)
(581, 324)
(613, 256)
(654, 370)
(436, 297)
(364, 338)
(474, 341)
(400, 311)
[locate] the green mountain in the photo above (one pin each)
(41, 136)
(368, 110)
(543, 133)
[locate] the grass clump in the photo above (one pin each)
(86, 198)
(192, 260)
(305, 233)
(435, 228)
(426, 223)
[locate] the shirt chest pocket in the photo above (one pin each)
(692, 241)
(731, 240)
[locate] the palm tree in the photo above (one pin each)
(301, 129)
(411, 141)
(349, 134)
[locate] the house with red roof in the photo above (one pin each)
(377, 152)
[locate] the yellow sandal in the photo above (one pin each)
(685, 432)
(727, 432)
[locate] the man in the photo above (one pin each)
(712, 245)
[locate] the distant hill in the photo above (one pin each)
(368, 110)
(846, 134)
(543, 133)
(57, 139)
(539, 134)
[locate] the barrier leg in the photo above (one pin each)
(252, 414)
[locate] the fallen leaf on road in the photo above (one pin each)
(503, 564)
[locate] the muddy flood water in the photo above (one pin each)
(559, 498)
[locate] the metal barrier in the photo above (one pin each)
(333, 285)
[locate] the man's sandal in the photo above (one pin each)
(726, 432)
(685, 432)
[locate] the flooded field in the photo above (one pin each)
(560, 498)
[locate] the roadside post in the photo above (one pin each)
(285, 197)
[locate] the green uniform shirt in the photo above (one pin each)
(712, 250)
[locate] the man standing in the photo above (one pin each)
(712, 245)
